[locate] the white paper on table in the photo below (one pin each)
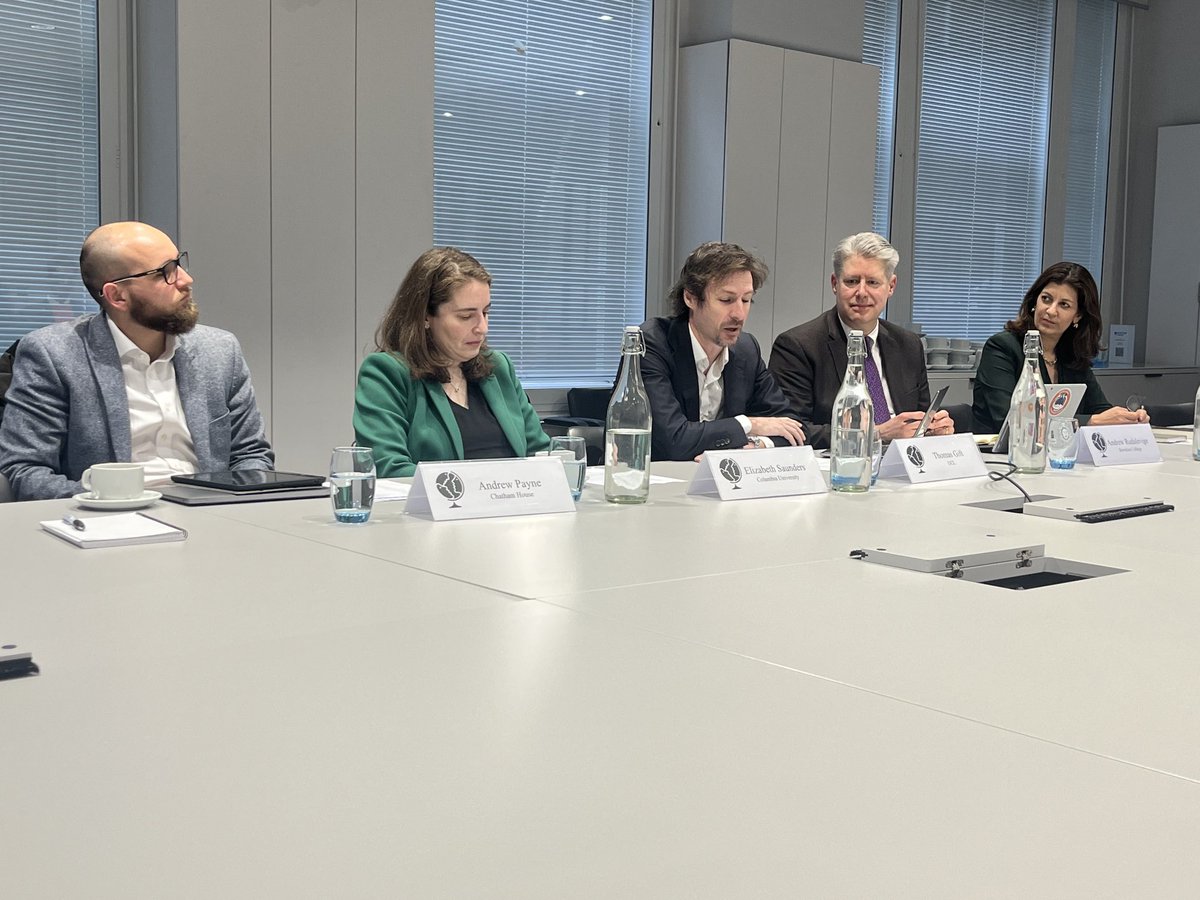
(391, 489)
(595, 475)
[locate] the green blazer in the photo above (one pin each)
(409, 420)
(1000, 366)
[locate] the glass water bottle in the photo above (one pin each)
(852, 431)
(627, 428)
(1196, 428)
(1027, 413)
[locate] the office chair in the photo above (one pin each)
(1167, 414)
(6, 366)
(964, 419)
(586, 411)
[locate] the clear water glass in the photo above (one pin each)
(876, 456)
(352, 483)
(572, 450)
(1062, 443)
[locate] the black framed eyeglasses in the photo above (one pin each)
(169, 270)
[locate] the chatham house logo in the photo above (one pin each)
(731, 472)
(450, 486)
(917, 458)
(1099, 443)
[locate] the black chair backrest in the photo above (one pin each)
(588, 403)
(1167, 414)
(6, 367)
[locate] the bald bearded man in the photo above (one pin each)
(138, 381)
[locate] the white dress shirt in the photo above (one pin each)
(874, 336)
(158, 433)
(712, 388)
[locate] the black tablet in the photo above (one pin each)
(241, 481)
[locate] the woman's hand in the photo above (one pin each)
(1119, 415)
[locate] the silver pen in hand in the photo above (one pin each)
(75, 522)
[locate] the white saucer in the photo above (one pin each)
(90, 501)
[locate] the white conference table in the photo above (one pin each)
(689, 698)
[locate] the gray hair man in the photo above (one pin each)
(809, 361)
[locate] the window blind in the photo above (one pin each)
(980, 191)
(541, 166)
(1091, 114)
(881, 41)
(49, 163)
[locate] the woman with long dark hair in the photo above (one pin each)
(1063, 306)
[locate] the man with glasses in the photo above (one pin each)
(138, 381)
(809, 361)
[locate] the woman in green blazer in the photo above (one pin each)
(435, 390)
(1063, 305)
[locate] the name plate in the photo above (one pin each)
(484, 488)
(935, 458)
(1117, 445)
(771, 472)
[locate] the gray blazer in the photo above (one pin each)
(809, 362)
(67, 407)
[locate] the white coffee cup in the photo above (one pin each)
(115, 481)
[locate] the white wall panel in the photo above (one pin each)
(393, 153)
(312, 215)
(751, 197)
(801, 284)
(224, 181)
(699, 148)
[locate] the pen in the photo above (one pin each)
(74, 522)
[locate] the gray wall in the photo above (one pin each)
(827, 27)
(1164, 90)
(305, 188)
(298, 171)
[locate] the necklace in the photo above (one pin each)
(457, 388)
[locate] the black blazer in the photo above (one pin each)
(669, 371)
(809, 362)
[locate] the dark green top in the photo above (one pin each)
(1000, 367)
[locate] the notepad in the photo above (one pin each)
(116, 531)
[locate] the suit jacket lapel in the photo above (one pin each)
(737, 379)
(836, 345)
(513, 428)
(194, 396)
(889, 352)
(686, 385)
(106, 369)
(441, 405)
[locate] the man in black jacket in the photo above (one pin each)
(708, 386)
(809, 361)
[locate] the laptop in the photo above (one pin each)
(241, 481)
(1062, 401)
(242, 486)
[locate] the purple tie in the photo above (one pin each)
(875, 387)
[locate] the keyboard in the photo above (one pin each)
(1125, 512)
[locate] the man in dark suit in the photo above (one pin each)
(809, 361)
(708, 386)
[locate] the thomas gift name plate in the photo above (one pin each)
(483, 488)
(936, 458)
(1117, 445)
(773, 472)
